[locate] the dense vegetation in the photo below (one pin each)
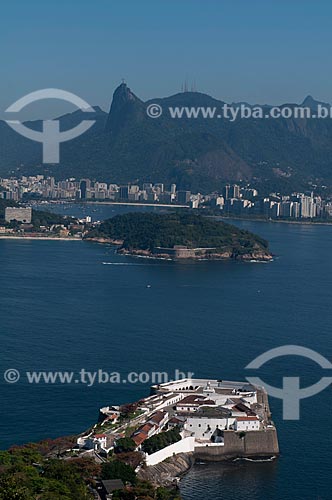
(44, 218)
(144, 490)
(125, 444)
(160, 441)
(118, 470)
(26, 474)
(146, 231)
(46, 471)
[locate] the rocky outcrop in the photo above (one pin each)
(110, 241)
(168, 472)
(253, 256)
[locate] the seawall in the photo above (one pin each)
(259, 444)
(263, 443)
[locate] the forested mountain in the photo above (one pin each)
(126, 145)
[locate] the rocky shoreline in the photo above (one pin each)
(248, 257)
(108, 241)
(169, 472)
(257, 256)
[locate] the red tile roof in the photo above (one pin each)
(147, 428)
(243, 419)
(157, 417)
(193, 399)
(175, 420)
(139, 438)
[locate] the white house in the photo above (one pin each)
(93, 442)
(100, 441)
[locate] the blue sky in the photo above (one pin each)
(254, 50)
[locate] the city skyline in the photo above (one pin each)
(232, 199)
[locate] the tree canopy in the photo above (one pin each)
(146, 231)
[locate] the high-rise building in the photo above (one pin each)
(226, 192)
(296, 210)
(124, 192)
(85, 184)
(235, 191)
(286, 208)
(308, 207)
(183, 197)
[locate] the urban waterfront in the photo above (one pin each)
(62, 308)
(231, 200)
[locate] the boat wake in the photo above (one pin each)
(123, 264)
(261, 261)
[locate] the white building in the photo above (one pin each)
(192, 402)
(247, 424)
(93, 442)
(208, 429)
(208, 423)
(19, 214)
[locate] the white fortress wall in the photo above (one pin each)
(186, 445)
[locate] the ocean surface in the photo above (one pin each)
(68, 305)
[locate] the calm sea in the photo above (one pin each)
(73, 305)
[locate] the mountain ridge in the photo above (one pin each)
(125, 145)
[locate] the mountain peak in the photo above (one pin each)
(310, 102)
(123, 94)
(123, 107)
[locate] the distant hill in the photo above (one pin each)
(198, 154)
(147, 232)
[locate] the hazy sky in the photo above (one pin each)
(266, 51)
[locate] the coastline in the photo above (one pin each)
(174, 469)
(168, 472)
(147, 254)
(42, 238)
(226, 256)
(273, 221)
